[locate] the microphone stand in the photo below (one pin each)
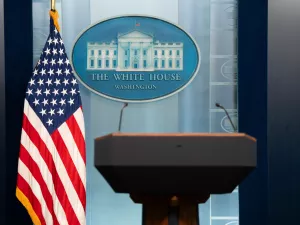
(220, 106)
(121, 116)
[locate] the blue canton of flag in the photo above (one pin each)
(53, 91)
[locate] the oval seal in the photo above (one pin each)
(229, 69)
(135, 58)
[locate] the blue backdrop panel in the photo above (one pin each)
(252, 105)
(18, 69)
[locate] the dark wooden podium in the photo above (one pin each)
(170, 174)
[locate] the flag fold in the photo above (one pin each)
(51, 180)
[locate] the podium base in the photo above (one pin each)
(170, 211)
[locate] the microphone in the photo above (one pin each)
(121, 116)
(221, 107)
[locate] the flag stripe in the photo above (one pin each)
(35, 171)
(74, 142)
(27, 178)
(58, 165)
(78, 138)
(27, 204)
(46, 155)
(78, 115)
(69, 164)
(36, 160)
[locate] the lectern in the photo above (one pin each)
(170, 174)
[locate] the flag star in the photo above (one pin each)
(39, 62)
(58, 72)
(66, 81)
(64, 92)
(57, 82)
(74, 81)
(49, 122)
(67, 62)
(60, 61)
(55, 41)
(45, 61)
(47, 51)
(47, 92)
(54, 51)
(55, 30)
(52, 62)
(61, 41)
(52, 112)
(36, 102)
(71, 101)
(73, 91)
(78, 91)
(49, 82)
(43, 72)
(67, 71)
(51, 72)
(43, 112)
(55, 92)
(41, 82)
(62, 102)
(61, 51)
(35, 72)
(49, 41)
(29, 92)
(53, 102)
(45, 102)
(31, 82)
(60, 112)
(38, 92)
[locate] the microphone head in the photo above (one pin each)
(125, 104)
(218, 105)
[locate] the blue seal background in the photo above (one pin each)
(163, 31)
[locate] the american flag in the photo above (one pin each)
(51, 181)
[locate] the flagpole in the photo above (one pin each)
(52, 5)
(54, 14)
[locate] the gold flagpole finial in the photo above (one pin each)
(53, 5)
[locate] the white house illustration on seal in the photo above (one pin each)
(135, 51)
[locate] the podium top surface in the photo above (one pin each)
(175, 149)
(204, 135)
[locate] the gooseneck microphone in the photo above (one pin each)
(121, 116)
(221, 107)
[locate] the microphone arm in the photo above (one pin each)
(121, 116)
(221, 107)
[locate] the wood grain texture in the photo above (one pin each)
(188, 213)
(172, 210)
(155, 213)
